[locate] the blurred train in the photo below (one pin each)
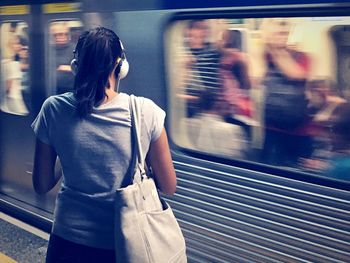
(247, 191)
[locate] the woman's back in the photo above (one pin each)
(95, 154)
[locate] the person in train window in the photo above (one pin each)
(235, 103)
(13, 101)
(339, 166)
(285, 106)
(201, 61)
(24, 65)
(323, 100)
(62, 49)
(234, 76)
(336, 163)
(208, 129)
(90, 132)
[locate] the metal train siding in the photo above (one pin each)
(230, 209)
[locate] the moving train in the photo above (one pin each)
(248, 191)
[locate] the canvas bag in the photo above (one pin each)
(145, 226)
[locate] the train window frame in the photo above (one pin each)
(309, 11)
(19, 103)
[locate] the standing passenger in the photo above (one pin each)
(90, 131)
(235, 79)
(339, 167)
(63, 55)
(24, 65)
(285, 100)
(210, 133)
(202, 66)
(13, 101)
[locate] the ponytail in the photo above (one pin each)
(97, 51)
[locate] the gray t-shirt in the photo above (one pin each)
(95, 153)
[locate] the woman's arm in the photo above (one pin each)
(160, 160)
(44, 178)
(288, 65)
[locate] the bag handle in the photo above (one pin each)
(135, 112)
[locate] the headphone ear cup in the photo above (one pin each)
(74, 66)
(124, 69)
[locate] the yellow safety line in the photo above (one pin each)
(6, 259)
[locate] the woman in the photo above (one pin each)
(14, 102)
(90, 131)
(285, 107)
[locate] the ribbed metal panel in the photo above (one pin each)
(230, 215)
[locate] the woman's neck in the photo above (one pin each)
(111, 93)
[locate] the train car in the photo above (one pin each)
(255, 95)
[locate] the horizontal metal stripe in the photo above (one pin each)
(200, 256)
(231, 248)
(198, 246)
(264, 200)
(276, 190)
(238, 242)
(211, 253)
(203, 201)
(192, 257)
(266, 238)
(342, 226)
(332, 204)
(226, 172)
(330, 249)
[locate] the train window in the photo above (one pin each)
(14, 87)
(63, 36)
(274, 91)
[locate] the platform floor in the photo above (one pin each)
(20, 242)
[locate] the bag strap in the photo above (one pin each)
(135, 112)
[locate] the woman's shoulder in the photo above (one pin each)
(150, 108)
(146, 103)
(65, 98)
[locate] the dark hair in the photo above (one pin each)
(13, 24)
(23, 41)
(234, 39)
(96, 53)
(195, 24)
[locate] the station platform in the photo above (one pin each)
(20, 242)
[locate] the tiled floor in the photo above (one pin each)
(20, 242)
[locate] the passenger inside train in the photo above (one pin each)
(62, 48)
(14, 65)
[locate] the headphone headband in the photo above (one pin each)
(122, 64)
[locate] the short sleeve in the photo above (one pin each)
(40, 124)
(155, 118)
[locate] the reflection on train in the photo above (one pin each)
(268, 86)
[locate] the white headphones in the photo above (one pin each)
(121, 69)
(123, 64)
